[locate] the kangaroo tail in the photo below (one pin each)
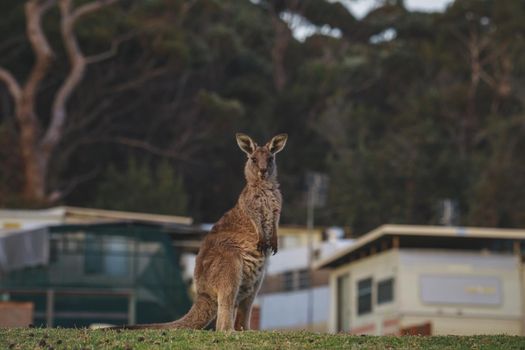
(200, 315)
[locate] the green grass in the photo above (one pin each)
(35, 338)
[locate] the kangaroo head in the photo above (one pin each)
(261, 159)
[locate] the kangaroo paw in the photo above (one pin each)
(261, 246)
(274, 243)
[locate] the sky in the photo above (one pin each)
(359, 8)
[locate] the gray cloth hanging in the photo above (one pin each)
(23, 248)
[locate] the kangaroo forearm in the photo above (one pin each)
(274, 241)
(274, 238)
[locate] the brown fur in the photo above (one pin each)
(231, 262)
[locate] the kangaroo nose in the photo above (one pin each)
(263, 170)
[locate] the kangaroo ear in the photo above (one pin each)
(245, 143)
(277, 143)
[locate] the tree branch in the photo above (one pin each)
(111, 52)
(135, 143)
(46, 4)
(78, 65)
(58, 195)
(35, 10)
(90, 7)
(11, 83)
(150, 74)
(12, 40)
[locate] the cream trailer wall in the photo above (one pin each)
(460, 292)
(344, 283)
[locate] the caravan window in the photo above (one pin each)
(288, 281)
(304, 279)
(364, 296)
(385, 291)
(93, 255)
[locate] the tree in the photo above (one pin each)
(139, 188)
(36, 141)
(403, 109)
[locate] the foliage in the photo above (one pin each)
(19, 338)
(141, 189)
(404, 110)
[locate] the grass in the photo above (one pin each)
(42, 338)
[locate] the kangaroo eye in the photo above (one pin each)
(253, 159)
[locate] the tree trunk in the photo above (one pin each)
(469, 122)
(35, 169)
(34, 164)
(35, 145)
(283, 36)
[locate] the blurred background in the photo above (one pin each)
(120, 116)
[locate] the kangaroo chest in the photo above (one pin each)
(264, 207)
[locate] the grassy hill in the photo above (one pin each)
(33, 338)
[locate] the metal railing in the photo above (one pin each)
(51, 314)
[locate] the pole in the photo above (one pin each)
(132, 310)
(50, 308)
(309, 228)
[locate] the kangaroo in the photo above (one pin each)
(230, 265)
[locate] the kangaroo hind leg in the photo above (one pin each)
(227, 295)
(242, 320)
